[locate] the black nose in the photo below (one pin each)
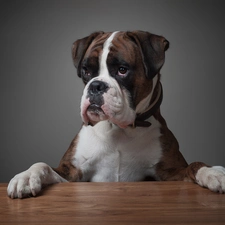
(97, 87)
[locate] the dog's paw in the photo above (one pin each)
(27, 183)
(212, 177)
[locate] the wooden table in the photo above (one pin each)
(116, 203)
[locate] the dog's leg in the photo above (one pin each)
(31, 181)
(39, 175)
(212, 178)
(173, 166)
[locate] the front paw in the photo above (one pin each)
(27, 183)
(212, 178)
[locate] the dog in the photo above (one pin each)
(124, 136)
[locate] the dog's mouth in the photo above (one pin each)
(94, 109)
(95, 113)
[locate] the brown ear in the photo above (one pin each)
(80, 47)
(153, 49)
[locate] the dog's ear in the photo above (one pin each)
(80, 47)
(153, 49)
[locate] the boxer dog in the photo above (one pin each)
(124, 136)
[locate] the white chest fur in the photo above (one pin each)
(107, 153)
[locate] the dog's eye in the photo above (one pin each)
(122, 71)
(85, 71)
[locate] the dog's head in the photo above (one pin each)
(120, 71)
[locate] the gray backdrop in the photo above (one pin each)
(40, 92)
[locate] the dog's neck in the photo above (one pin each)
(141, 118)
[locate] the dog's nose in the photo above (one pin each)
(97, 87)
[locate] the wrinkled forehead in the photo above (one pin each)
(120, 47)
(97, 44)
(123, 48)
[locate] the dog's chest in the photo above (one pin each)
(108, 153)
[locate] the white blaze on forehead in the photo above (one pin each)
(105, 52)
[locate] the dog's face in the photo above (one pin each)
(120, 71)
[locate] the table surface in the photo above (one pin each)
(116, 203)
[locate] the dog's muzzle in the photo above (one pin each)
(103, 100)
(95, 97)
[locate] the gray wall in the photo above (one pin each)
(40, 92)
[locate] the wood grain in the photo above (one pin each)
(116, 203)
